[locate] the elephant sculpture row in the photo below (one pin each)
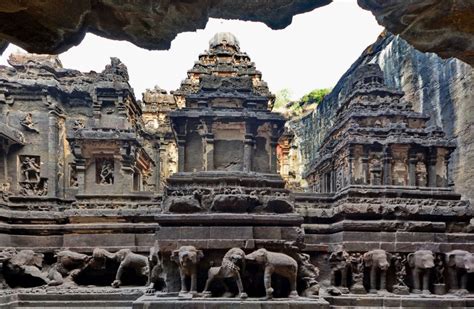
(350, 272)
(454, 265)
(27, 268)
(234, 260)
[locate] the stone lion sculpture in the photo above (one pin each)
(277, 263)
(127, 260)
(228, 269)
(187, 258)
(155, 260)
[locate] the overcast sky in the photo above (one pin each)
(313, 52)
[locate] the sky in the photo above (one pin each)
(313, 52)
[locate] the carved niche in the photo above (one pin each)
(104, 171)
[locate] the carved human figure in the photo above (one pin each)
(308, 274)
(375, 168)
(28, 123)
(187, 258)
(277, 263)
(357, 269)
(230, 268)
(106, 173)
(155, 261)
(459, 263)
(340, 264)
(421, 174)
(378, 261)
(421, 262)
(400, 269)
(30, 169)
(127, 260)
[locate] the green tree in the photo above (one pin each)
(316, 96)
(282, 97)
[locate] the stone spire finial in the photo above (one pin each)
(224, 38)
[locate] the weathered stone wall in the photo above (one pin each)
(440, 88)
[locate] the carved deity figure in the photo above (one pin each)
(400, 287)
(77, 124)
(230, 268)
(340, 265)
(308, 274)
(421, 175)
(27, 123)
(30, 170)
(375, 168)
(357, 268)
(399, 172)
(276, 263)
(106, 173)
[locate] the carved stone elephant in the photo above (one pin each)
(277, 263)
(459, 263)
(230, 268)
(68, 265)
(421, 262)
(187, 258)
(378, 261)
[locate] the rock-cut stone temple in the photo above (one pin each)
(184, 199)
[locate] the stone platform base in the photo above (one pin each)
(153, 302)
(70, 298)
(405, 301)
(110, 298)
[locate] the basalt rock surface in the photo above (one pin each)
(42, 26)
(445, 27)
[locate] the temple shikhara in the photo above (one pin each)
(192, 196)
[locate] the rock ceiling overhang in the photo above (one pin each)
(445, 27)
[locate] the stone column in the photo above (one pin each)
(412, 167)
(387, 166)
(181, 152)
(53, 153)
(446, 163)
(273, 154)
(249, 142)
(80, 164)
(351, 164)
(432, 158)
(365, 164)
(160, 156)
(209, 151)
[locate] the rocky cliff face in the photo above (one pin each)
(439, 88)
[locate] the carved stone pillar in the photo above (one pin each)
(273, 155)
(387, 166)
(412, 160)
(80, 164)
(181, 149)
(448, 175)
(209, 151)
(249, 142)
(351, 164)
(432, 158)
(160, 157)
(365, 165)
(53, 153)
